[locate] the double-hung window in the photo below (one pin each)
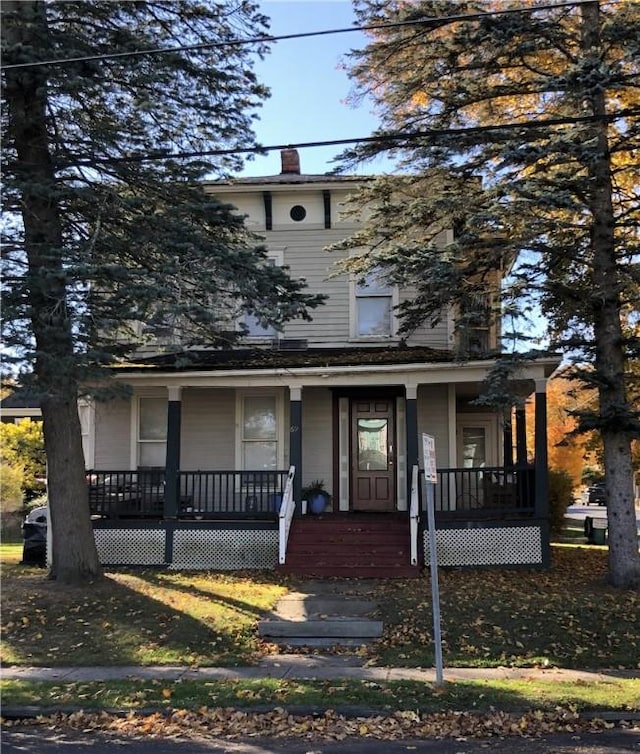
(152, 431)
(259, 440)
(373, 307)
(255, 328)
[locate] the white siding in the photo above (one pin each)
(305, 257)
(313, 203)
(304, 244)
(208, 430)
(432, 337)
(433, 419)
(317, 453)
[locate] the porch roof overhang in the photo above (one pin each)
(326, 367)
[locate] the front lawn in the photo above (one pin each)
(566, 616)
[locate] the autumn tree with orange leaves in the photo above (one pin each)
(567, 448)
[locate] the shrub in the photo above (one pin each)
(22, 446)
(560, 498)
(11, 481)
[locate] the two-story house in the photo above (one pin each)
(205, 464)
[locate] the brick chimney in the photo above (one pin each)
(290, 161)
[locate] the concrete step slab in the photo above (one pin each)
(304, 607)
(344, 628)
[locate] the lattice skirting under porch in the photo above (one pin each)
(226, 549)
(188, 548)
(233, 546)
(489, 545)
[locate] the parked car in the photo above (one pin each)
(597, 494)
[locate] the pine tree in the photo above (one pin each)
(100, 237)
(516, 126)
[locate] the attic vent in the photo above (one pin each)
(289, 344)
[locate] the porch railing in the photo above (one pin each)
(285, 517)
(459, 493)
(202, 494)
(483, 492)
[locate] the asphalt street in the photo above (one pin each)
(42, 740)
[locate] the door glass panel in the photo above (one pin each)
(474, 447)
(373, 453)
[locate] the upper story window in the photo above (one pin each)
(255, 328)
(297, 213)
(373, 306)
(474, 324)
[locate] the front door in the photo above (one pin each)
(373, 478)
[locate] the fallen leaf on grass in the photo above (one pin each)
(279, 723)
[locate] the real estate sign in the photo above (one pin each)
(429, 458)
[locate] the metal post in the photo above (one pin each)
(435, 591)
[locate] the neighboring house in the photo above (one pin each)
(18, 405)
(192, 470)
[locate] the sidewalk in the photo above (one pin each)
(306, 667)
(301, 667)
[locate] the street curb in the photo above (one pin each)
(32, 712)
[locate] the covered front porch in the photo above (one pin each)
(234, 520)
(357, 427)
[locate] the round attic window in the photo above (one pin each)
(297, 213)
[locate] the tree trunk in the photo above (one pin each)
(624, 559)
(75, 557)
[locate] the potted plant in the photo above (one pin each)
(316, 496)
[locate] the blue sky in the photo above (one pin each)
(308, 88)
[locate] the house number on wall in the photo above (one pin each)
(294, 428)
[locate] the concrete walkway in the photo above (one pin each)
(322, 614)
(308, 667)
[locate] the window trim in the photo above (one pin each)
(486, 422)
(354, 295)
(135, 426)
(277, 255)
(241, 394)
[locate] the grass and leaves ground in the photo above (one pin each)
(566, 616)
(515, 695)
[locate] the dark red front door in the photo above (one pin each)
(373, 478)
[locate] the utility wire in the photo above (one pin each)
(388, 137)
(300, 35)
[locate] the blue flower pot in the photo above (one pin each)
(317, 504)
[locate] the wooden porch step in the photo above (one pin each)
(350, 546)
(351, 571)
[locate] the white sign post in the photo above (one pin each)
(431, 478)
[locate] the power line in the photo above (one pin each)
(300, 35)
(390, 137)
